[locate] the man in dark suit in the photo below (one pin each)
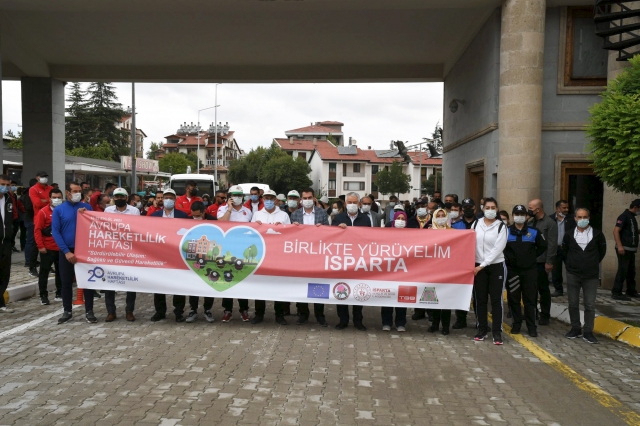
(160, 300)
(565, 223)
(387, 216)
(352, 217)
(367, 204)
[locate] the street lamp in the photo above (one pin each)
(215, 120)
(198, 130)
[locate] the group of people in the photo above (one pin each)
(518, 255)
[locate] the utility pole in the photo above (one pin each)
(134, 186)
(215, 160)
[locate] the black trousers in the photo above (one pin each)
(5, 270)
(303, 310)
(386, 312)
(545, 293)
(522, 286)
(194, 300)
(557, 272)
(489, 284)
(243, 304)
(626, 272)
(67, 276)
(16, 228)
(442, 315)
(46, 261)
(343, 313)
(261, 305)
(160, 303)
(110, 301)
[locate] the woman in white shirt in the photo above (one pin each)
(490, 271)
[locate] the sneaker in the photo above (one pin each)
(401, 329)
(480, 336)
(65, 317)
(573, 333)
(6, 310)
(497, 338)
(208, 316)
(433, 328)
(341, 325)
(180, 318)
(91, 319)
(58, 298)
(157, 317)
(636, 295)
(515, 328)
(322, 322)
(302, 319)
(226, 317)
(280, 320)
(360, 326)
(459, 325)
(244, 315)
(257, 319)
(445, 331)
(33, 272)
(620, 297)
(386, 328)
(590, 338)
(44, 300)
(533, 332)
(193, 315)
(418, 316)
(543, 321)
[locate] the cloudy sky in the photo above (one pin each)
(373, 113)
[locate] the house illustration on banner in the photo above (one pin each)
(202, 248)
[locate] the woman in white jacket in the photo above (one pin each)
(490, 272)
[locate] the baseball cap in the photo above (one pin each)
(421, 201)
(324, 199)
(166, 191)
(293, 193)
(121, 191)
(398, 207)
(269, 192)
(236, 189)
(635, 203)
(519, 209)
(42, 174)
(280, 197)
(468, 202)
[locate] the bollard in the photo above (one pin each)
(79, 297)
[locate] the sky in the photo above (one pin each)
(373, 113)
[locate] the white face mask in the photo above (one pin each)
(237, 201)
(55, 202)
(44, 180)
(352, 208)
(441, 221)
(293, 204)
(334, 212)
(398, 223)
(75, 198)
(560, 214)
(366, 209)
(490, 214)
(138, 204)
(307, 204)
(422, 212)
(519, 219)
(454, 215)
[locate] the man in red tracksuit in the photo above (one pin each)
(49, 251)
(39, 193)
(190, 196)
(255, 202)
(221, 199)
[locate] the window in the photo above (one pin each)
(302, 155)
(353, 186)
(356, 168)
(374, 170)
(344, 169)
(332, 167)
(191, 150)
(332, 184)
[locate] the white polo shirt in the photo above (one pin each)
(242, 215)
(278, 216)
(129, 210)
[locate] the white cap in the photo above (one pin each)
(398, 207)
(269, 192)
(169, 191)
(324, 199)
(281, 197)
(236, 189)
(293, 193)
(121, 191)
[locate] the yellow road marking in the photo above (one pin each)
(604, 398)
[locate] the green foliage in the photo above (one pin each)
(393, 180)
(100, 152)
(77, 127)
(175, 163)
(185, 246)
(437, 137)
(433, 183)
(16, 142)
(104, 113)
(614, 131)
(249, 169)
(332, 139)
(151, 153)
(283, 174)
(192, 157)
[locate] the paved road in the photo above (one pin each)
(166, 373)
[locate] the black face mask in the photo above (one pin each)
(120, 203)
(531, 213)
(193, 192)
(448, 206)
(468, 213)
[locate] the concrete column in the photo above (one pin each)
(520, 97)
(43, 128)
(1, 117)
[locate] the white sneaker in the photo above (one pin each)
(6, 310)
(386, 328)
(401, 329)
(208, 316)
(57, 299)
(193, 315)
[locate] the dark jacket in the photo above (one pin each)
(584, 263)
(413, 223)
(6, 231)
(549, 228)
(523, 247)
(207, 216)
(628, 230)
(361, 220)
(177, 214)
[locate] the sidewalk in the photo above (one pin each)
(21, 284)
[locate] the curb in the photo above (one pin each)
(25, 291)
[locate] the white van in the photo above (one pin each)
(246, 187)
(206, 184)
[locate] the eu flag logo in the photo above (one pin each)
(318, 291)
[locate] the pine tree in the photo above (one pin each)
(104, 113)
(77, 120)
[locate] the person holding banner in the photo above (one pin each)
(120, 206)
(310, 215)
(420, 221)
(386, 312)
(234, 211)
(440, 221)
(63, 229)
(160, 300)
(468, 219)
(490, 271)
(352, 217)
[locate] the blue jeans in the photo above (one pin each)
(30, 244)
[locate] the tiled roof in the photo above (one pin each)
(298, 144)
(313, 130)
(331, 123)
(329, 152)
(192, 140)
(426, 160)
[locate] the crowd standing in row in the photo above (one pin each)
(519, 255)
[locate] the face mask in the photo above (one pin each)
(422, 212)
(531, 213)
(441, 221)
(193, 192)
(334, 212)
(120, 203)
(269, 204)
(44, 180)
(169, 204)
(138, 205)
(206, 203)
(583, 223)
(197, 217)
(392, 203)
(448, 206)
(366, 209)
(55, 202)
(4, 189)
(505, 221)
(490, 214)
(400, 223)
(293, 204)
(237, 201)
(519, 219)
(352, 208)
(254, 198)
(560, 214)
(469, 213)
(307, 204)
(454, 215)
(75, 198)
(14, 188)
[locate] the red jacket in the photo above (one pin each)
(16, 206)
(37, 193)
(183, 203)
(250, 207)
(41, 221)
(93, 201)
(213, 209)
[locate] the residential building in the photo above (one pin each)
(125, 124)
(321, 130)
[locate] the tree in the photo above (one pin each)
(193, 158)
(614, 132)
(104, 113)
(393, 180)
(249, 168)
(175, 163)
(77, 127)
(153, 149)
(16, 141)
(100, 152)
(433, 183)
(437, 137)
(283, 174)
(332, 139)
